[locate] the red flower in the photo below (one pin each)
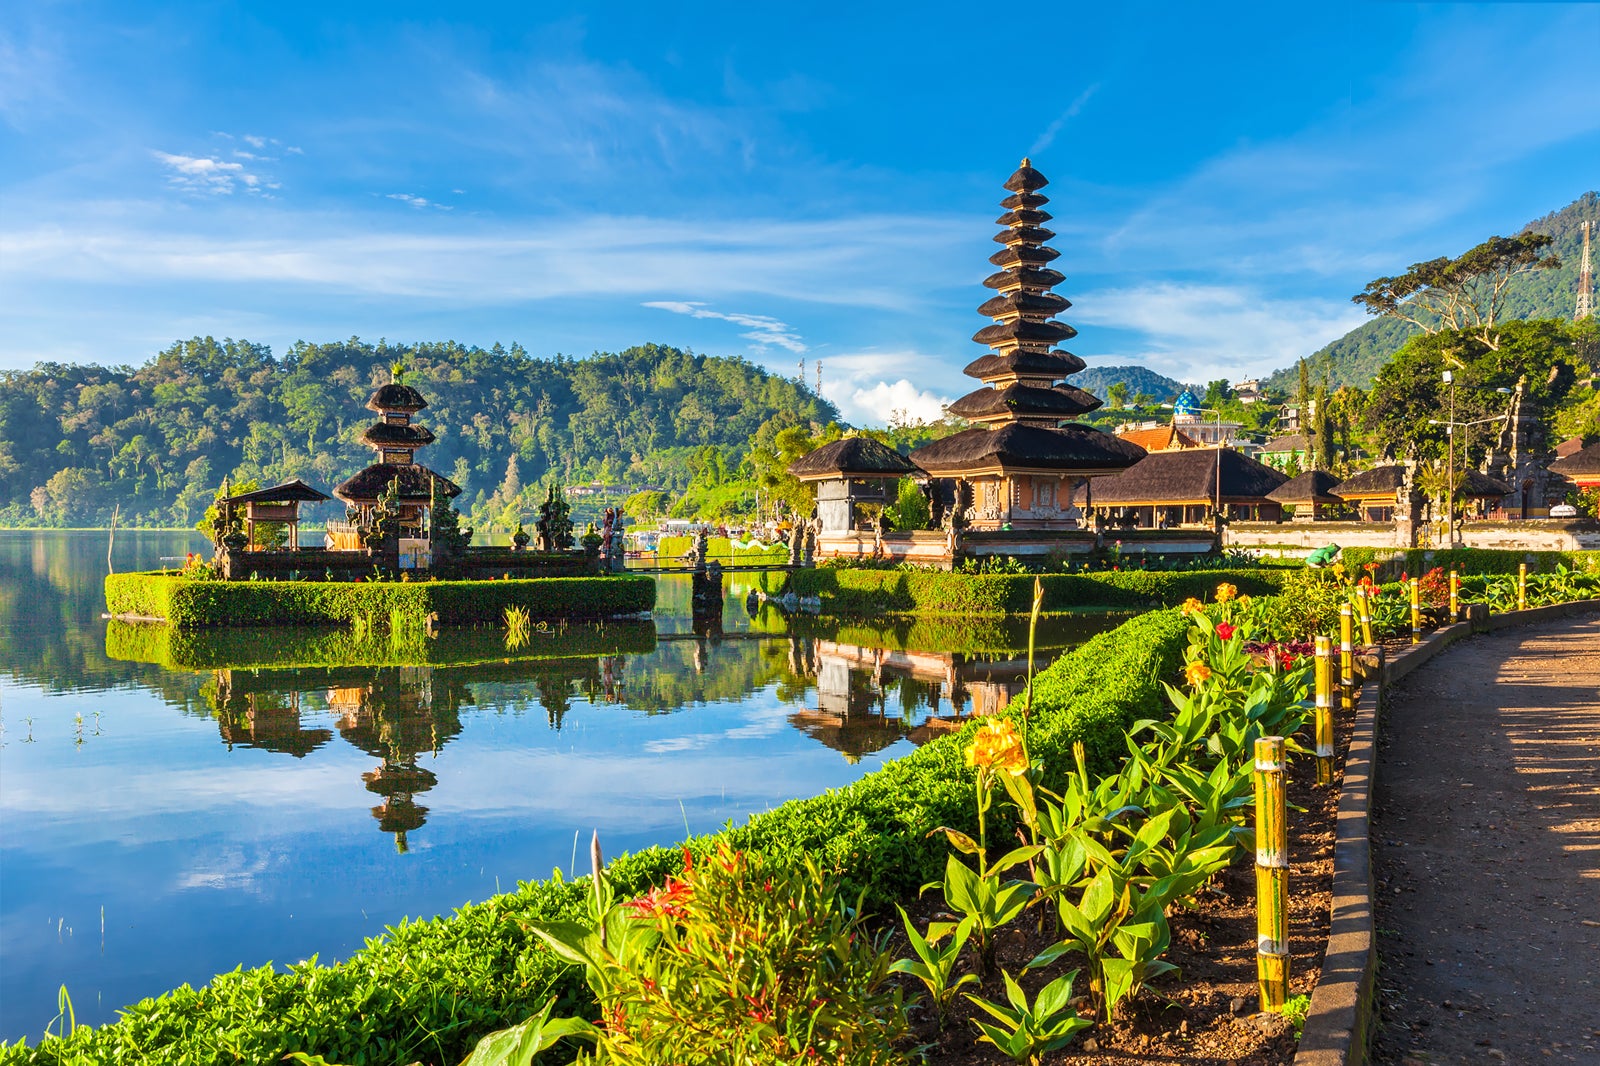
(664, 902)
(1224, 630)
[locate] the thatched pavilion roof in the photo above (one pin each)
(1056, 364)
(1378, 482)
(288, 492)
(396, 397)
(1314, 486)
(1189, 476)
(1018, 445)
(860, 457)
(416, 483)
(1475, 485)
(1025, 401)
(388, 435)
(1584, 464)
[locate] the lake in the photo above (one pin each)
(175, 805)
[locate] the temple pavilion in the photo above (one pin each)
(1582, 468)
(396, 440)
(1023, 463)
(1169, 489)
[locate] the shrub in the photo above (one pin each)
(186, 603)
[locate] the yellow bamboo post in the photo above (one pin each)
(1365, 605)
(1455, 596)
(1347, 658)
(1324, 709)
(1416, 612)
(1272, 874)
(1522, 586)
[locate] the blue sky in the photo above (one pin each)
(743, 180)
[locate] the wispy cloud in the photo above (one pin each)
(418, 201)
(1048, 137)
(764, 331)
(1196, 331)
(204, 174)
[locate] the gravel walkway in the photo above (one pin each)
(1486, 849)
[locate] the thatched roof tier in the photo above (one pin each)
(1025, 278)
(1475, 485)
(1189, 477)
(1381, 482)
(1581, 466)
(1021, 331)
(1023, 235)
(1024, 199)
(1295, 442)
(1020, 448)
(1026, 179)
(1023, 255)
(387, 435)
(396, 397)
(1024, 217)
(1314, 486)
(1020, 363)
(288, 492)
(858, 457)
(1017, 303)
(416, 483)
(1025, 401)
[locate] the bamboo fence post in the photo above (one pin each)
(1522, 586)
(1455, 596)
(1272, 874)
(1365, 603)
(1347, 658)
(1416, 612)
(1324, 709)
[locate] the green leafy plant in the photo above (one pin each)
(936, 966)
(1026, 1032)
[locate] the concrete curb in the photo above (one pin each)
(1339, 1021)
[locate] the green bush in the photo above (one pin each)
(427, 991)
(671, 550)
(846, 590)
(188, 603)
(1416, 561)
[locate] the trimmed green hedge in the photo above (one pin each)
(426, 991)
(1417, 561)
(185, 602)
(671, 550)
(871, 592)
(254, 649)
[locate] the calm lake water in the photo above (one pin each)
(178, 805)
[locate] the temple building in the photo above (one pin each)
(1375, 493)
(396, 440)
(1582, 467)
(1023, 465)
(1166, 490)
(1309, 494)
(1520, 459)
(1156, 438)
(848, 473)
(1189, 416)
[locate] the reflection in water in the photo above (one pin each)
(231, 803)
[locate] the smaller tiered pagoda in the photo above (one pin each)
(396, 441)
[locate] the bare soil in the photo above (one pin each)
(1207, 1013)
(1486, 848)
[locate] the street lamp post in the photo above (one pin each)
(1450, 426)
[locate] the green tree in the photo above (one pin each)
(1117, 394)
(910, 509)
(1218, 392)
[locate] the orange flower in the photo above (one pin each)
(664, 902)
(1226, 592)
(1192, 606)
(997, 747)
(1197, 673)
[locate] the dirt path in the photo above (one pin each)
(1486, 848)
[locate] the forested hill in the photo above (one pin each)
(1138, 379)
(1354, 358)
(76, 440)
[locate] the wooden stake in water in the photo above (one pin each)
(1347, 658)
(1522, 586)
(1455, 596)
(1323, 721)
(1272, 874)
(1416, 612)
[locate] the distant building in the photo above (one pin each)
(1248, 391)
(1156, 436)
(1282, 451)
(1189, 415)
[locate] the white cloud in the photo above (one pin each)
(417, 201)
(203, 174)
(891, 401)
(764, 331)
(1192, 332)
(871, 388)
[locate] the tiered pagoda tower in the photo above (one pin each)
(396, 441)
(1021, 465)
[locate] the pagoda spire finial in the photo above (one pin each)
(1027, 162)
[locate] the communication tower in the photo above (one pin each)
(819, 377)
(1585, 279)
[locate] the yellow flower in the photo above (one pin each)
(997, 747)
(1226, 592)
(1244, 601)
(1197, 673)
(1192, 606)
